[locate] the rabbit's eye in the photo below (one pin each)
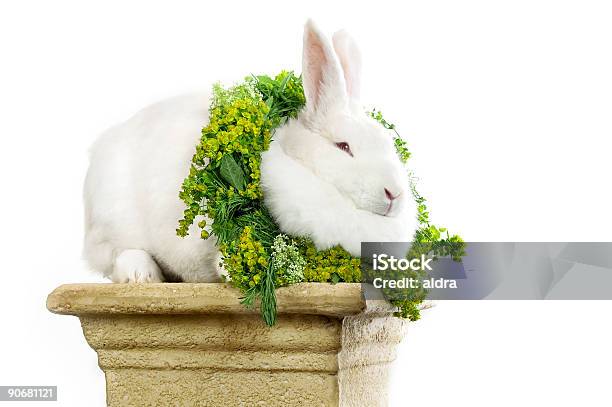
(345, 147)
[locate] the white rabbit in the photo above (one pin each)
(331, 174)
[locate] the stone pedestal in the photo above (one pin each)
(196, 345)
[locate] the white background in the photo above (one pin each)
(506, 105)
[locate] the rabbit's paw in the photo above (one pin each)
(136, 266)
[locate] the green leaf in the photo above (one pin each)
(284, 83)
(268, 297)
(270, 101)
(231, 172)
(335, 278)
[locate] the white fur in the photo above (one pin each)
(131, 194)
(136, 266)
(311, 187)
(314, 189)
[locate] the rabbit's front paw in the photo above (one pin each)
(136, 266)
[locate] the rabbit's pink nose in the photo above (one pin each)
(390, 195)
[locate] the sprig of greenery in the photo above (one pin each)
(223, 182)
(429, 240)
(401, 146)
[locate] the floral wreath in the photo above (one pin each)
(223, 185)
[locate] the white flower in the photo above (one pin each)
(287, 261)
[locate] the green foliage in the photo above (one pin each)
(429, 239)
(400, 145)
(223, 182)
(334, 264)
(223, 186)
(231, 172)
(284, 95)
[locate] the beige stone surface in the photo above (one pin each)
(184, 298)
(196, 345)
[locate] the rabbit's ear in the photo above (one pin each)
(321, 74)
(350, 59)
